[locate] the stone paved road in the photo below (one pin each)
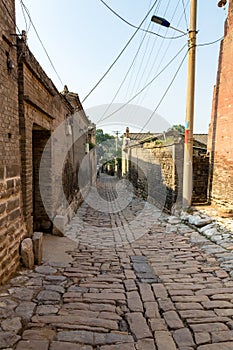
(132, 282)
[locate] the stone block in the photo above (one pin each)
(33, 344)
(12, 204)
(27, 253)
(2, 208)
(12, 170)
(37, 240)
(59, 225)
(10, 184)
(1, 173)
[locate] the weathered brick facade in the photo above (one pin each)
(31, 110)
(42, 109)
(156, 170)
(153, 172)
(12, 228)
(220, 142)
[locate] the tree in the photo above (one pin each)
(101, 136)
(106, 147)
(180, 128)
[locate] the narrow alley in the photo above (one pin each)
(124, 277)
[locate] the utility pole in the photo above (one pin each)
(117, 132)
(188, 143)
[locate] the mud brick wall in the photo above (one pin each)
(12, 229)
(31, 108)
(200, 178)
(220, 140)
(157, 174)
(153, 172)
(222, 182)
(42, 110)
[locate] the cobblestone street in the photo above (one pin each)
(135, 278)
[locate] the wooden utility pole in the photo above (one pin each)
(188, 144)
(117, 132)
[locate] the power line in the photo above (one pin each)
(143, 37)
(123, 81)
(211, 43)
(126, 75)
(122, 51)
(184, 9)
(165, 93)
(132, 25)
(12, 17)
(140, 67)
(25, 19)
(141, 98)
(146, 86)
(29, 16)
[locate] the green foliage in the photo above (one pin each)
(106, 147)
(180, 128)
(158, 142)
(91, 145)
(101, 136)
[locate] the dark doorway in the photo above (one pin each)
(40, 137)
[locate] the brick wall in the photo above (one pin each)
(157, 174)
(43, 111)
(12, 229)
(220, 141)
(31, 109)
(200, 177)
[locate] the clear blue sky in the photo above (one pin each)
(83, 38)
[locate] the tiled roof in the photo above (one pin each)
(143, 137)
(138, 136)
(202, 138)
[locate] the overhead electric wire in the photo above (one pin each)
(126, 75)
(10, 14)
(146, 86)
(211, 43)
(140, 67)
(132, 25)
(124, 79)
(119, 55)
(25, 19)
(141, 98)
(134, 68)
(165, 93)
(29, 16)
(185, 15)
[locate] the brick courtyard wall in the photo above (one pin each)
(220, 141)
(12, 229)
(157, 174)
